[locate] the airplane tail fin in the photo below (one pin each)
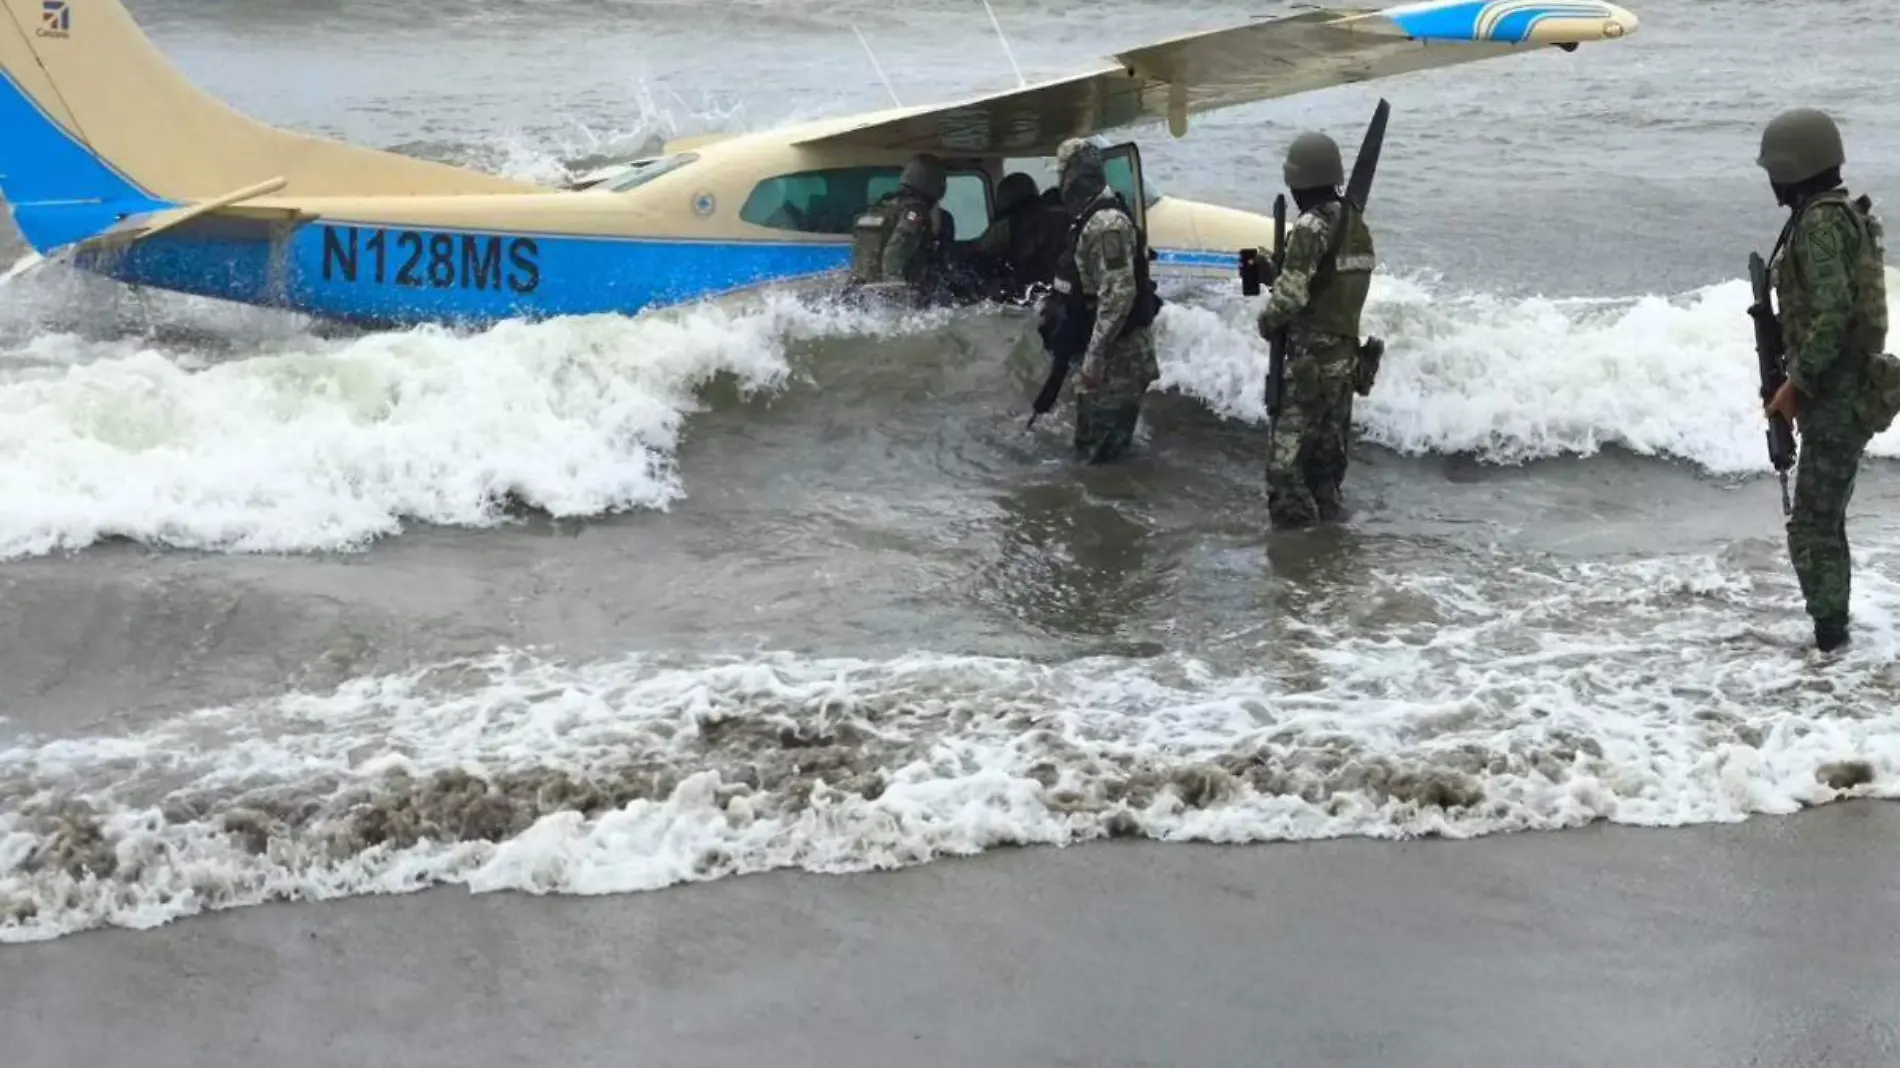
(96, 126)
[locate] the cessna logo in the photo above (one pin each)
(56, 18)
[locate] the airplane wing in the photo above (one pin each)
(1200, 72)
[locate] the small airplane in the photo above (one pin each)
(112, 162)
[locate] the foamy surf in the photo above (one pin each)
(325, 445)
(1511, 380)
(313, 445)
(1532, 696)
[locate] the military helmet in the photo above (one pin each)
(924, 173)
(1076, 158)
(1798, 144)
(1312, 162)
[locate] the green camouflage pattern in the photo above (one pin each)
(1106, 417)
(1309, 452)
(1817, 528)
(1830, 286)
(1309, 296)
(1320, 304)
(893, 240)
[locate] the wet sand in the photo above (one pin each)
(1771, 942)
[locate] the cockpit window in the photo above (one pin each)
(830, 201)
(1043, 170)
(642, 171)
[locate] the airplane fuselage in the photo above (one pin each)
(399, 261)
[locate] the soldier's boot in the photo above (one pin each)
(1830, 634)
(1327, 502)
(1117, 432)
(1088, 430)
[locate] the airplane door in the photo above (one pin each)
(1121, 165)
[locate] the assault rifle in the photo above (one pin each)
(1063, 338)
(1065, 331)
(1772, 361)
(1358, 191)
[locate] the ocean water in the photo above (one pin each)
(600, 605)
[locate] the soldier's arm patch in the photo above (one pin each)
(1115, 250)
(1821, 240)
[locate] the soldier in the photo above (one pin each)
(897, 244)
(1015, 252)
(1828, 271)
(1318, 295)
(1106, 296)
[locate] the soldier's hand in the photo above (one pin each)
(1091, 375)
(1785, 402)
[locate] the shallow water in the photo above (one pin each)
(601, 605)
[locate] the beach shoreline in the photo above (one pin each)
(1768, 941)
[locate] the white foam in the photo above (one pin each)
(1534, 695)
(322, 445)
(1511, 380)
(314, 445)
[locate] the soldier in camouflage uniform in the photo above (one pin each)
(1828, 271)
(1103, 280)
(896, 244)
(1318, 295)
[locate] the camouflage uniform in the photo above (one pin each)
(898, 239)
(1125, 364)
(1829, 277)
(1822, 309)
(1320, 302)
(898, 232)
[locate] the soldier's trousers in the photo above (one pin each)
(1817, 529)
(1308, 455)
(1105, 419)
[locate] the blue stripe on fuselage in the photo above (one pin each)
(1183, 258)
(399, 275)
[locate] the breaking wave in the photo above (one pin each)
(313, 444)
(1512, 380)
(1536, 695)
(324, 445)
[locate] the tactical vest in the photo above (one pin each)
(1337, 293)
(1866, 331)
(873, 231)
(1864, 370)
(1079, 307)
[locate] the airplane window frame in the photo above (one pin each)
(1043, 170)
(760, 211)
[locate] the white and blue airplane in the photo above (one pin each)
(111, 162)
